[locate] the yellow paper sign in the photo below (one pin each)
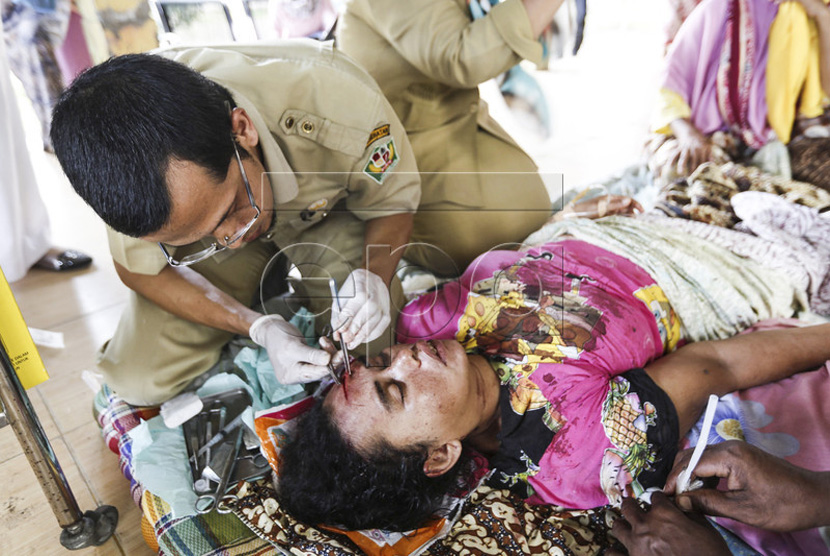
(17, 341)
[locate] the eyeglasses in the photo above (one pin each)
(227, 241)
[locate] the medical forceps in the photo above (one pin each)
(224, 458)
(347, 365)
(222, 449)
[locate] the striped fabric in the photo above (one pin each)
(208, 535)
(506, 523)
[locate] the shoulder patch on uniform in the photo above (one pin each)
(378, 133)
(319, 204)
(382, 159)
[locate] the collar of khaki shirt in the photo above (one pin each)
(280, 174)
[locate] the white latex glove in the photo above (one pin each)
(364, 312)
(294, 361)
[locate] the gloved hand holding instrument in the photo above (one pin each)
(359, 313)
(360, 308)
(294, 361)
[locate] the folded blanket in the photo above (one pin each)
(715, 293)
(789, 238)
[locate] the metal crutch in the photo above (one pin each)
(80, 530)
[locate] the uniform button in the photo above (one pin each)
(308, 127)
(289, 122)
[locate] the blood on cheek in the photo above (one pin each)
(346, 386)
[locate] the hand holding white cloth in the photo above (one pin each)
(294, 361)
(363, 314)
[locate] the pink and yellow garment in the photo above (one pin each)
(561, 324)
(744, 66)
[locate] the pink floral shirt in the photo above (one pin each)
(559, 324)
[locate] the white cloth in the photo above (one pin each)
(800, 230)
(24, 223)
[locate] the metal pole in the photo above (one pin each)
(79, 529)
(3, 420)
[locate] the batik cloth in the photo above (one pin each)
(802, 254)
(706, 194)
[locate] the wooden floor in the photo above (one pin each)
(84, 306)
(600, 102)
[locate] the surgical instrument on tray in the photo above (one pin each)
(225, 458)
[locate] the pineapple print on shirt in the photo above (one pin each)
(625, 421)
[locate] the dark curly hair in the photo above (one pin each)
(323, 480)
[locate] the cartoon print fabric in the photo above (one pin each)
(558, 323)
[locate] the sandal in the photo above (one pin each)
(59, 261)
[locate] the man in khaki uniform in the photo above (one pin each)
(429, 57)
(299, 153)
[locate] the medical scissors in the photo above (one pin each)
(225, 458)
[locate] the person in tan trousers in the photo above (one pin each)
(479, 188)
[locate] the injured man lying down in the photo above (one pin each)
(560, 364)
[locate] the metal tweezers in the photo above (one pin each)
(343, 348)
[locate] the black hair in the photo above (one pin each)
(323, 480)
(119, 124)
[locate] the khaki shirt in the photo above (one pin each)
(429, 57)
(328, 137)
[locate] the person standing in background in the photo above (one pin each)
(34, 33)
(24, 222)
(429, 58)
